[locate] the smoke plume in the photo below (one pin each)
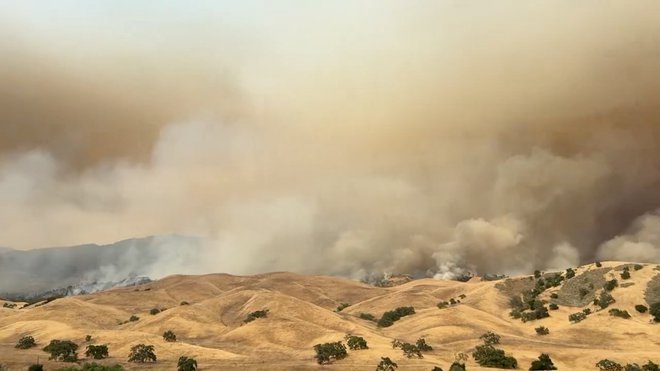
(337, 138)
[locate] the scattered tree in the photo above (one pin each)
(342, 306)
(26, 342)
(97, 351)
(154, 311)
(537, 274)
(186, 364)
(598, 264)
(625, 275)
(553, 306)
(570, 273)
(542, 330)
(328, 352)
(611, 285)
(142, 353)
(184, 303)
(256, 314)
(655, 311)
(651, 367)
(368, 317)
(411, 350)
(543, 363)
(386, 364)
(554, 295)
(619, 313)
(88, 338)
(134, 318)
(390, 317)
(169, 336)
(607, 365)
(641, 308)
(423, 346)
(488, 356)
(638, 267)
(62, 350)
(356, 342)
(577, 317)
(490, 338)
(605, 300)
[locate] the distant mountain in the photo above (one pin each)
(5, 249)
(32, 272)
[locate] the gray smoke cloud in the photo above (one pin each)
(496, 138)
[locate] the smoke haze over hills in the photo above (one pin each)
(341, 138)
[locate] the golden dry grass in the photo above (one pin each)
(302, 313)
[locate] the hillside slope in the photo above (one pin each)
(302, 313)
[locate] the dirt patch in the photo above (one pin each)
(515, 286)
(652, 293)
(581, 289)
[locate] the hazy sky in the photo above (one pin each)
(337, 137)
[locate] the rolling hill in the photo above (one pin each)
(302, 313)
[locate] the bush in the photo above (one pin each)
(655, 311)
(368, 317)
(390, 317)
(97, 351)
(577, 317)
(619, 313)
(35, 367)
(605, 300)
(342, 306)
(411, 350)
(184, 303)
(586, 311)
(356, 342)
(328, 352)
(386, 364)
(542, 330)
(142, 353)
(437, 368)
(256, 314)
(134, 318)
(651, 367)
(641, 308)
(543, 363)
(457, 367)
(169, 336)
(490, 338)
(570, 273)
(554, 296)
(26, 342)
(607, 365)
(154, 311)
(186, 364)
(553, 306)
(625, 275)
(88, 338)
(422, 346)
(443, 304)
(598, 264)
(638, 267)
(611, 285)
(62, 350)
(537, 273)
(94, 367)
(489, 356)
(9, 305)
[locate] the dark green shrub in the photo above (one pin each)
(9, 305)
(632, 367)
(607, 365)
(328, 352)
(619, 313)
(142, 353)
(186, 364)
(342, 306)
(411, 350)
(368, 317)
(570, 273)
(169, 336)
(134, 318)
(88, 338)
(356, 342)
(437, 368)
(35, 367)
(537, 273)
(605, 300)
(638, 267)
(543, 363)
(554, 295)
(651, 367)
(386, 364)
(184, 303)
(655, 311)
(422, 345)
(490, 338)
(62, 350)
(390, 317)
(256, 314)
(625, 275)
(611, 285)
(586, 311)
(641, 308)
(97, 351)
(553, 306)
(457, 367)
(443, 304)
(26, 342)
(542, 330)
(489, 356)
(577, 317)
(96, 367)
(598, 264)
(154, 311)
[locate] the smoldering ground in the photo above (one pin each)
(424, 137)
